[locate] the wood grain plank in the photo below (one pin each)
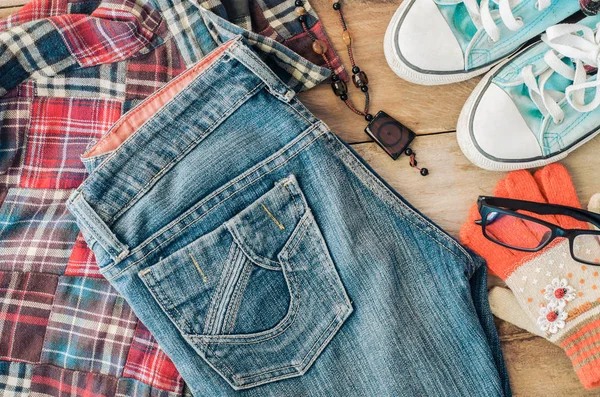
(454, 183)
(4, 12)
(536, 367)
(422, 109)
(12, 3)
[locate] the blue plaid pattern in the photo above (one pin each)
(15, 378)
(90, 329)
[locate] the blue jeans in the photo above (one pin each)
(267, 258)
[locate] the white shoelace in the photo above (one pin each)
(482, 15)
(582, 45)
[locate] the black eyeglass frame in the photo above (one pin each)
(490, 204)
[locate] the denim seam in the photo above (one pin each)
(191, 211)
(308, 218)
(300, 367)
(291, 104)
(105, 237)
(230, 289)
(185, 151)
(396, 202)
(340, 291)
(218, 293)
(255, 58)
(158, 292)
(236, 300)
(301, 209)
(290, 316)
(250, 253)
(175, 97)
(139, 108)
(272, 333)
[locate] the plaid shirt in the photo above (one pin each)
(68, 70)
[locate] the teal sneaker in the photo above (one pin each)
(433, 42)
(538, 106)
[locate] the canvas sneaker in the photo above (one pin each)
(433, 42)
(537, 106)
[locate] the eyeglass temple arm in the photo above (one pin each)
(543, 209)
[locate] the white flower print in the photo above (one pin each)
(552, 318)
(559, 292)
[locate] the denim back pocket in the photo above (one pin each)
(259, 298)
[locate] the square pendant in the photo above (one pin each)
(390, 134)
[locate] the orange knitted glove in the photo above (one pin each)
(556, 292)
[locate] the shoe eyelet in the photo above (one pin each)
(490, 40)
(537, 5)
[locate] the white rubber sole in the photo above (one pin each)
(406, 71)
(473, 153)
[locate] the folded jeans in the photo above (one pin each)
(266, 257)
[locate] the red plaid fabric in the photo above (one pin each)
(68, 70)
(82, 262)
(116, 31)
(148, 363)
(60, 130)
(147, 73)
(36, 230)
(51, 381)
(25, 304)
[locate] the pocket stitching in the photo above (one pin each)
(238, 297)
(301, 364)
(218, 294)
(194, 210)
(161, 296)
(301, 230)
(276, 331)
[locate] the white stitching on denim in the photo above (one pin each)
(266, 335)
(184, 152)
(218, 293)
(192, 210)
(176, 96)
(236, 299)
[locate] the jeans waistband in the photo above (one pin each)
(227, 78)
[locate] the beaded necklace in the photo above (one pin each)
(389, 133)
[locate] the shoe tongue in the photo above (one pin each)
(461, 22)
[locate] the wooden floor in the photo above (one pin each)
(536, 367)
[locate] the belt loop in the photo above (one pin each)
(89, 220)
(247, 57)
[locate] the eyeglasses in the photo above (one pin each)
(502, 224)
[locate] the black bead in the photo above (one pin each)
(343, 97)
(408, 151)
(355, 69)
(369, 117)
(299, 3)
(364, 88)
(424, 171)
(414, 163)
(302, 18)
(337, 6)
(339, 88)
(335, 77)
